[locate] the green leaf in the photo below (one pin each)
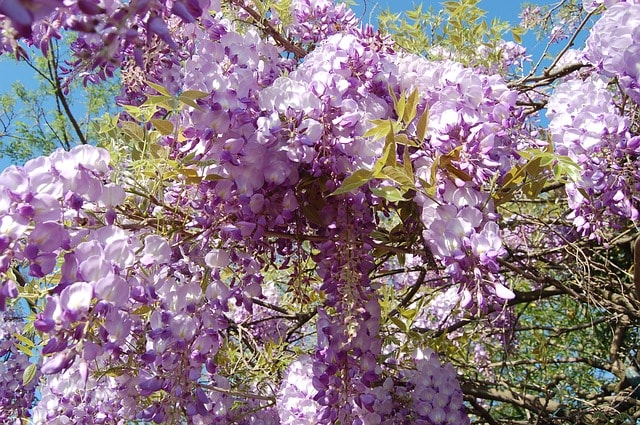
(410, 110)
(164, 127)
(25, 350)
(188, 101)
(390, 193)
(400, 176)
(29, 373)
(158, 88)
(26, 341)
(421, 127)
(354, 181)
(194, 94)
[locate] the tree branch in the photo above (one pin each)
(537, 405)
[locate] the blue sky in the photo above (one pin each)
(507, 10)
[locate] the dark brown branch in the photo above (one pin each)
(571, 40)
(546, 79)
(537, 405)
(594, 363)
(616, 342)
(636, 266)
(406, 300)
(270, 306)
(481, 411)
(63, 100)
(266, 26)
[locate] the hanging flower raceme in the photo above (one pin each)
(472, 140)
(613, 45)
(586, 126)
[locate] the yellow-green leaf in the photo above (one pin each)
(164, 127)
(409, 313)
(421, 127)
(403, 139)
(406, 159)
(23, 339)
(400, 176)
(354, 181)
(390, 193)
(133, 130)
(399, 323)
(29, 373)
(25, 350)
(400, 105)
(157, 100)
(533, 188)
(188, 101)
(158, 88)
(389, 157)
(194, 94)
(455, 171)
(190, 175)
(393, 94)
(379, 130)
(214, 177)
(411, 108)
(533, 167)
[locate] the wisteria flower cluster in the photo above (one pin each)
(613, 43)
(426, 393)
(16, 398)
(472, 121)
(585, 125)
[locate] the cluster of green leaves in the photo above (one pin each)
(456, 32)
(540, 168)
(399, 172)
(137, 139)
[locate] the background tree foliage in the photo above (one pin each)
(57, 113)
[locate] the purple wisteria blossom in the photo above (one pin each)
(586, 126)
(613, 42)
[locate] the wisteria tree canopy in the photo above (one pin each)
(294, 217)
